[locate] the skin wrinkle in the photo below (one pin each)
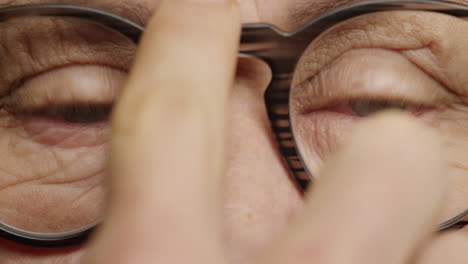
(254, 216)
(65, 206)
(62, 61)
(20, 152)
(99, 171)
(136, 11)
(355, 43)
(81, 181)
(63, 169)
(436, 44)
(359, 33)
(22, 134)
(69, 205)
(65, 144)
(323, 131)
(60, 169)
(41, 178)
(330, 97)
(94, 187)
(426, 59)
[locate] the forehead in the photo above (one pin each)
(286, 14)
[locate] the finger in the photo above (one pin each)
(167, 145)
(375, 200)
(449, 247)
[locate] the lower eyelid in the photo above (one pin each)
(52, 133)
(320, 133)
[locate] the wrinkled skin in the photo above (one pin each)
(64, 167)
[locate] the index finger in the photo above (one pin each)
(167, 146)
(376, 199)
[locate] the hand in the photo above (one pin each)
(377, 201)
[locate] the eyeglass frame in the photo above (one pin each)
(279, 49)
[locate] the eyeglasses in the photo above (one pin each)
(302, 100)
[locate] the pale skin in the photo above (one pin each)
(208, 185)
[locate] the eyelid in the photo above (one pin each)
(341, 103)
(399, 31)
(57, 43)
(91, 84)
(368, 74)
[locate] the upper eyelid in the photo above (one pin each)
(432, 45)
(370, 73)
(366, 31)
(46, 53)
(94, 85)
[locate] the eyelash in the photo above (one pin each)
(376, 105)
(356, 106)
(79, 114)
(60, 44)
(69, 107)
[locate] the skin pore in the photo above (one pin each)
(259, 197)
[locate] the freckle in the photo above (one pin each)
(249, 216)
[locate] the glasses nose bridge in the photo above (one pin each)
(280, 51)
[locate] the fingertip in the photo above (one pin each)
(381, 192)
(393, 166)
(447, 247)
(396, 141)
(397, 126)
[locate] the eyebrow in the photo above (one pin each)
(133, 11)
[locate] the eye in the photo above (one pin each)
(72, 95)
(364, 108)
(411, 61)
(59, 79)
(373, 63)
(50, 62)
(77, 114)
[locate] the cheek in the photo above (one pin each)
(259, 196)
